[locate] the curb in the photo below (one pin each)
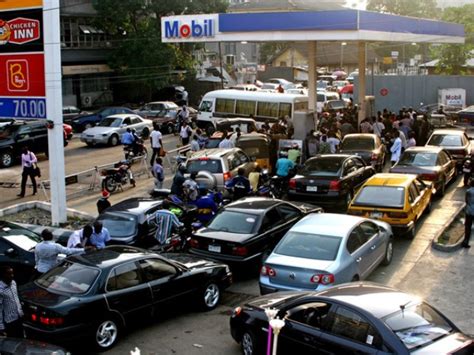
(450, 247)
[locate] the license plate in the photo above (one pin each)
(376, 214)
(311, 188)
(214, 248)
(466, 170)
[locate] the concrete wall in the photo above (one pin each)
(410, 91)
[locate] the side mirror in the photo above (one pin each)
(11, 252)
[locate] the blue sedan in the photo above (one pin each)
(326, 249)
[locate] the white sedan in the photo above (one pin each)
(110, 129)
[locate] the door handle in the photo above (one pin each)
(358, 260)
(373, 247)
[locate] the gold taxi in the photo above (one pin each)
(398, 199)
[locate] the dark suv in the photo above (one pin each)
(16, 134)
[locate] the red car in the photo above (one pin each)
(67, 131)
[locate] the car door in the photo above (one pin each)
(425, 195)
(361, 173)
(39, 133)
(359, 255)
(349, 173)
(137, 124)
(415, 199)
(448, 167)
(127, 292)
(373, 241)
(272, 229)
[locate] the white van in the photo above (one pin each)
(323, 97)
(261, 106)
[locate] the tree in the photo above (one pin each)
(269, 49)
(414, 8)
(144, 64)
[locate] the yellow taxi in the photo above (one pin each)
(398, 199)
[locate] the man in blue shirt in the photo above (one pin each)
(100, 236)
(240, 185)
(128, 138)
(283, 166)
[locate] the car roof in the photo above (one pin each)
(333, 156)
(256, 204)
(162, 102)
(135, 205)
(360, 135)
(379, 300)
(110, 256)
(332, 224)
(213, 153)
(390, 179)
(253, 136)
(425, 149)
(448, 131)
(235, 120)
(124, 115)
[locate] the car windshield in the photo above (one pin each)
(234, 222)
(309, 246)
(445, 140)
(381, 196)
(418, 159)
(119, 225)
(418, 325)
(214, 166)
(322, 167)
(357, 143)
(110, 122)
(69, 277)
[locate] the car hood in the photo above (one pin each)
(292, 261)
(224, 236)
(456, 343)
(273, 299)
(98, 130)
(38, 296)
(190, 261)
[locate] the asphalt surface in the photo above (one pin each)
(444, 279)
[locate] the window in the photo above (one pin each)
(246, 108)
(154, 269)
(271, 219)
(386, 196)
(123, 276)
(285, 109)
(350, 325)
(288, 212)
(234, 222)
(314, 314)
(359, 164)
(443, 158)
(420, 185)
(446, 140)
(349, 167)
(354, 241)
(241, 158)
(127, 121)
(4, 247)
(136, 120)
(357, 143)
(206, 106)
(214, 166)
(267, 109)
(309, 246)
(24, 130)
(225, 105)
(368, 230)
(413, 192)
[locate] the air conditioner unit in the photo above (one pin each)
(86, 101)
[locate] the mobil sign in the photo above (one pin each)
(197, 27)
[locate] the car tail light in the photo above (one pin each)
(240, 251)
(334, 185)
(51, 320)
(430, 177)
(227, 176)
(34, 317)
(292, 184)
(267, 271)
(204, 158)
(397, 215)
(324, 279)
(193, 243)
(237, 311)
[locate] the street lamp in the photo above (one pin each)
(271, 314)
(342, 53)
(276, 325)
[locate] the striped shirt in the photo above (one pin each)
(10, 307)
(165, 221)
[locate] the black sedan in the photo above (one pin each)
(329, 180)
(17, 246)
(433, 164)
(366, 145)
(82, 122)
(95, 295)
(243, 231)
(353, 318)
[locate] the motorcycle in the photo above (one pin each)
(135, 150)
(468, 170)
(119, 175)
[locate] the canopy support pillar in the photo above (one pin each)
(362, 81)
(312, 75)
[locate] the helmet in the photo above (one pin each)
(182, 168)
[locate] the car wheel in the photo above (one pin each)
(442, 190)
(113, 141)
(210, 296)
(248, 343)
(429, 206)
(412, 232)
(6, 159)
(388, 253)
(169, 129)
(106, 334)
(89, 144)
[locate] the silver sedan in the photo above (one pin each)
(326, 249)
(110, 129)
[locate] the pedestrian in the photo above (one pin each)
(396, 148)
(411, 141)
(404, 140)
(234, 138)
(103, 202)
(185, 133)
(158, 173)
(333, 142)
(280, 89)
(469, 214)
(165, 221)
(283, 166)
(226, 142)
(128, 139)
(156, 143)
(195, 144)
(324, 146)
(379, 127)
(312, 143)
(424, 131)
(183, 115)
(294, 153)
(365, 126)
(346, 128)
(406, 124)
(178, 180)
(11, 312)
(28, 163)
(100, 237)
(46, 252)
(80, 238)
(191, 188)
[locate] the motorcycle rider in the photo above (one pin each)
(128, 139)
(178, 181)
(239, 185)
(190, 188)
(165, 221)
(206, 206)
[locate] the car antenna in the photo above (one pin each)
(402, 307)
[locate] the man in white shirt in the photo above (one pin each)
(226, 142)
(185, 133)
(396, 148)
(156, 143)
(379, 127)
(334, 143)
(80, 238)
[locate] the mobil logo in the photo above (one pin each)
(23, 30)
(189, 29)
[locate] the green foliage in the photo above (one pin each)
(269, 49)
(415, 8)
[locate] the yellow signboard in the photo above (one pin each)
(387, 60)
(19, 4)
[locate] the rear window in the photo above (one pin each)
(418, 159)
(68, 277)
(322, 167)
(234, 222)
(214, 166)
(357, 143)
(119, 225)
(309, 246)
(446, 140)
(381, 196)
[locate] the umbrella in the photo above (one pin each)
(340, 73)
(348, 89)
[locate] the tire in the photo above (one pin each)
(88, 125)
(387, 259)
(6, 159)
(106, 334)
(428, 207)
(169, 129)
(90, 145)
(442, 190)
(412, 233)
(248, 343)
(113, 140)
(210, 296)
(110, 184)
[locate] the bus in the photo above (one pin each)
(261, 106)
